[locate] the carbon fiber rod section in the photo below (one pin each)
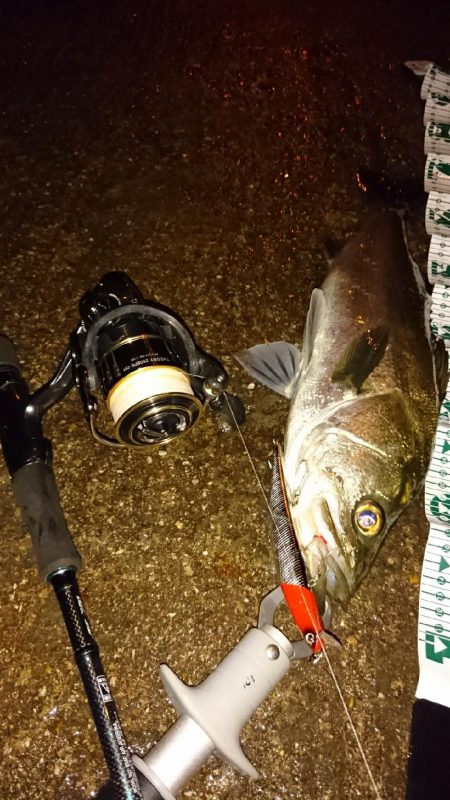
(104, 712)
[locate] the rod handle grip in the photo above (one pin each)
(37, 496)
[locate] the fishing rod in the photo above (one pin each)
(157, 382)
(141, 358)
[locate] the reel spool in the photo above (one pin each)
(163, 406)
(143, 377)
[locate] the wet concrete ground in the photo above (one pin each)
(209, 153)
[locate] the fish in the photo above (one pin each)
(364, 391)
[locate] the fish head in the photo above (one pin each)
(347, 483)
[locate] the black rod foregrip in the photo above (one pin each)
(104, 711)
(37, 496)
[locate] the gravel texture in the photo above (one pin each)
(209, 150)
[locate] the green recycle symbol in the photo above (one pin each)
(441, 217)
(440, 506)
(435, 269)
(444, 167)
(439, 129)
(436, 647)
(441, 331)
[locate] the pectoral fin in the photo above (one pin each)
(276, 365)
(361, 357)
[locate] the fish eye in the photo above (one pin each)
(368, 518)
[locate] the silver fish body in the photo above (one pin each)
(364, 396)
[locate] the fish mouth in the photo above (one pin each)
(326, 577)
(329, 572)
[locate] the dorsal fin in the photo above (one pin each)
(361, 357)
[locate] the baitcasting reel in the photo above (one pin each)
(143, 360)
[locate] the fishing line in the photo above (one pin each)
(328, 662)
(352, 726)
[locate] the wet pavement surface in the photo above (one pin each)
(210, 154)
